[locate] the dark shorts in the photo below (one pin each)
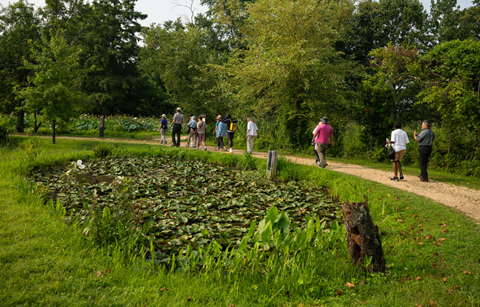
(230, 135)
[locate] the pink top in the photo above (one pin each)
(323, 133)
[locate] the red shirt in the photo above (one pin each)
(323, 133)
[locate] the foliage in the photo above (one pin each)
(291, 68)
(4, 129)
(55, 88)
(103, 150)
(19, 25)
(176, 203)
(179, 56)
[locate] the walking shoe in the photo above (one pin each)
(425, 180)
(394, 179)
(316, 162)
(187, 145)
(173, 145)
(401, 176)
(205, 148)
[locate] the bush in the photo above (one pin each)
(103, 150)
(4, 129)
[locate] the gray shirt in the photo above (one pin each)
(426, 137)
(178, 117)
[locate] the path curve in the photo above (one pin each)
(464, 199)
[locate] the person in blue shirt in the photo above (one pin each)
(220, 132)
(163, 129)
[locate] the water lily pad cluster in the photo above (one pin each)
(178, 203)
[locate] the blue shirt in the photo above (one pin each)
(164, 123)
(193, 124)
(221, 130)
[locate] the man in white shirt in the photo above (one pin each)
(252, 131)
(399, 140)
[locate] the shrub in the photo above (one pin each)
(103, 149)
(4, 129)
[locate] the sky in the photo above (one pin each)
(159, 11)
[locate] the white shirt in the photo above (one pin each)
(252, 128)
(400, 138)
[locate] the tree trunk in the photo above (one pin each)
(20, 117)
(53, 131)
(362, 236)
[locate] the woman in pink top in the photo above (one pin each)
(322, 137)
(201, 127)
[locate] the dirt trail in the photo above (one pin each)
(464, 199)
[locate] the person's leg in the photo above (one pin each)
(179, 131)
(394, 169)
(317, 158)
(221, 144)
(162, 132)
(424, 153)
(194, 140)
(322, 148)
(399, 168)
(230, 136)
(173, 136)
(203, 140)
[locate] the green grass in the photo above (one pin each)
(45, 262)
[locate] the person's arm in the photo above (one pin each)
(215, 130)
(333, 141)
(258, 135)
(419, 137)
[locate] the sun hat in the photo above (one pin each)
(193, 117)
(163, 115)
(324, 120)
(219, 117)
(179, 109)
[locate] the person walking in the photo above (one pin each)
(231, 128)
(192, 137)
(399, 139)
(177, 122)
(163, 129)
(322, 138)
(252, 132)
(220, 132)
(317, 158)
(201, 131)
(425, 141)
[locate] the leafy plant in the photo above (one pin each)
(103, 150)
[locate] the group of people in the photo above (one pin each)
(399, 140)
(196, 130)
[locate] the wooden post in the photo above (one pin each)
(272, 163)
(102, 125)
(362, 236)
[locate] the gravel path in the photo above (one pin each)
(464, 199)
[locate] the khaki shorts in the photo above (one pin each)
(399, 155)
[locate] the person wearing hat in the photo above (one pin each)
(177, 122)
(322, 137)
(192, 137)
(220, 132)
(163, 129)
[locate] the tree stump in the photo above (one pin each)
(362, 236)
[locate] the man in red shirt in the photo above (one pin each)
(322, 137)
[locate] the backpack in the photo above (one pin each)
(233, 125)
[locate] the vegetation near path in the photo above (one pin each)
(463, 199)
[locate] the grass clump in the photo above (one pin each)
(103, 150)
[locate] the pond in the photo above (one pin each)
(175, 203)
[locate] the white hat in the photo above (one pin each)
(178, 109)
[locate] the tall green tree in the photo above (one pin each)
(291, 68)
(444, 21)
(470, 21)
(19, 24)
(180, 56)
(55, 89)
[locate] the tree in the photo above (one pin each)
(470, 21)
(404, 23)
(180, 56)
(291, 67)
(55, 88)
(450, 77)
(18, 26)
(444, 21)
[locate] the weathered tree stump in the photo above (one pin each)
(362, 236)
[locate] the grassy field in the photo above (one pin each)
(431, 250)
